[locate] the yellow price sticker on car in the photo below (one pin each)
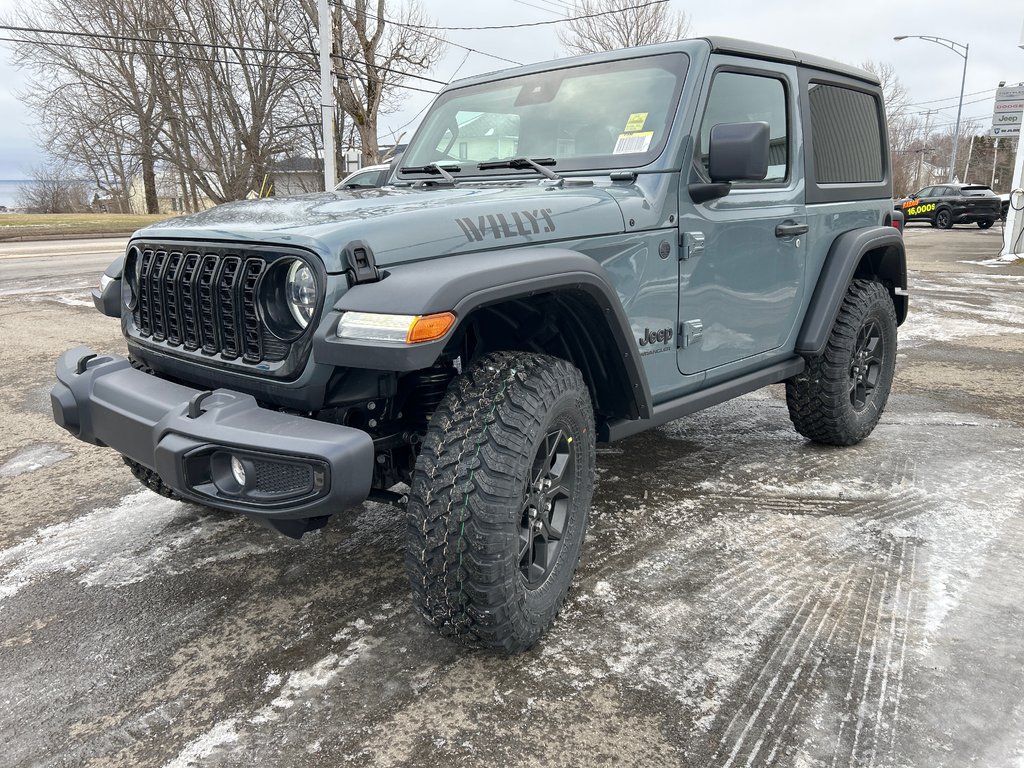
(636, 122)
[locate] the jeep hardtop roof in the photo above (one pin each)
(727, 45)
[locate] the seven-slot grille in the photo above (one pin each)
(204, 302)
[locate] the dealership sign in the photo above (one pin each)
(1008, 115)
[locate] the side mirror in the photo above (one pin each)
(738, 152)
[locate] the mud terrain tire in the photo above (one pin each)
(841, 394)
(150, 479)
(499, 500)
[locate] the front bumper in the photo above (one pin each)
(295, 467)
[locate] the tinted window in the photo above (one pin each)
(943, 192)
(926, 192)
(743, 98)
(846, 135)
(977, 191)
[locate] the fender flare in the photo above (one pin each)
(845, 257)
(465, 283)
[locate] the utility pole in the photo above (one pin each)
(327, 104)
(967, 168)
(995, 159)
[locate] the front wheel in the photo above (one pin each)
(944, 218)
(499, 500)
(841, 394)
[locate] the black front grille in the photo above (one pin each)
(201, 300)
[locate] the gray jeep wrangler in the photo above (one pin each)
(568, 252)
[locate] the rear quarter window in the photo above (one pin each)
(846, 130)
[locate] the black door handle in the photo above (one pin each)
(788, 230)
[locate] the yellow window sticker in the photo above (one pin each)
(633, 142)
(636, 122)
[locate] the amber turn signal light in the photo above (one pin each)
(430, 327)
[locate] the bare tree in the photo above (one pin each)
(221, 110)
(97, 79)
(54, 188)
(623, 24)
(374, 58)
(903, 126)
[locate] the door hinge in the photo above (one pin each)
(690, 333)
(691, 244)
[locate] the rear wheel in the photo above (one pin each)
(840, 396)
(499, 500)
(986, 223)
(943, 218)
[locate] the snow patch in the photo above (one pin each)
(31, 459)
(273, 681)
(117, 546)
(195, 752)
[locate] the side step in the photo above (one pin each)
(705, 398)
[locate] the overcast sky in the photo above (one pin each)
(850, 32)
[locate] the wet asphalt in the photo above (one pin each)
(746, 598)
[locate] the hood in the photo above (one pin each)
(407, 224)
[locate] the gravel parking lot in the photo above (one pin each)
(745, 598)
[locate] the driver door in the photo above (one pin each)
(740, 293)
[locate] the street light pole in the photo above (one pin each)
(960, 49)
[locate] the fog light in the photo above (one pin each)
(238, 471)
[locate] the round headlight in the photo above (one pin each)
(300, 292)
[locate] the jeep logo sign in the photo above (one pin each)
(664, 336)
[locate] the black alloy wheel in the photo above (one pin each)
(546, 507)
(866, 365)
(943, 218)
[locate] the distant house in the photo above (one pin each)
(297, 176)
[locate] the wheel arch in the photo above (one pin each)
(873, 253)
(496, 297)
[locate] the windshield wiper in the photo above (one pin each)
(524, 163)
(435, 169)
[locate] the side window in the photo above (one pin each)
(926, 192)
(742, 98)
(846, 135)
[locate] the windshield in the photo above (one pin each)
(610, 115)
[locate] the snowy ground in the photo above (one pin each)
(746, 598)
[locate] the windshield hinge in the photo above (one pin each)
(360, 263)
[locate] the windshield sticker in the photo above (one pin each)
(635, 123)
(497, 226)
(633, 142)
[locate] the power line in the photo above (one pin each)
(443, 40)
(215, 46)
(161, 55)
(951, 98)
(134, 39)
(539, 23)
